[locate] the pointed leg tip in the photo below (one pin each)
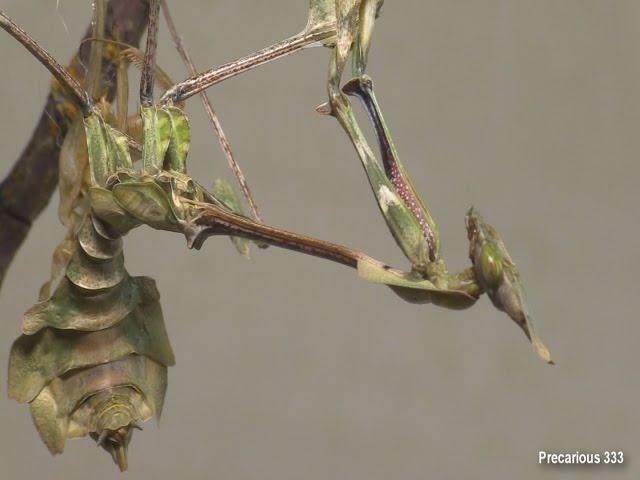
(542, 351)
(324, 109)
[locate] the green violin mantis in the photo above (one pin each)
(94, 352)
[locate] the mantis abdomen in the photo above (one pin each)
(93, 357)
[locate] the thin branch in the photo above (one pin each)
(26, 190)
(215, 122)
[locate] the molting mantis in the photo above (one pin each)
(108, 391)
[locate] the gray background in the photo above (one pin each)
(288, 366)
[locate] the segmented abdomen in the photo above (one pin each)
(93, 357)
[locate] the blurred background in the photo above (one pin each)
(288, 366)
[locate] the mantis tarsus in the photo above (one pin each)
(160, 194)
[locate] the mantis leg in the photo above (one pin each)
(347, 13)
(146, 80)
(362, 87)
(122, 86)
(401, 222)
(320, 29)
(156, 122)
(213, 118)
(369, 11)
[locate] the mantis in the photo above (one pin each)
(106, 392)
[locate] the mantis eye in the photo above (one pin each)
(490, 266)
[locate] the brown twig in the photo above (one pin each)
(26, 190)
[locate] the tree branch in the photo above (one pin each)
(26, 190)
